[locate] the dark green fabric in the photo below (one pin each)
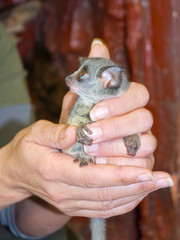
(13, 90)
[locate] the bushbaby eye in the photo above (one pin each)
(83, 74)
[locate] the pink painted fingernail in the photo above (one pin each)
(101, 160)
(145, 177)
(96, 41)
(164, 182)
(99, 113)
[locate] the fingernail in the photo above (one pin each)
(96, 132)
(91, 149)
(164, 182)
(96, 41)
(64, 132)
(145, 177)
(99, 113)
(101, 160)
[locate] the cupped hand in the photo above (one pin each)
(115, 118)
(33, 165)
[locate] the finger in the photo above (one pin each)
(138, 121)
(135, 97)
(108, 213)
(74, 205)
(64, 193)
(95, 176)
(99, 49)
(161, 180)
(68, 101)
(125, 161)
(116, 148)
(92, 176)
(48, 134)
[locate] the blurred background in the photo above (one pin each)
(143, 36)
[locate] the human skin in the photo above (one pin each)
(31, 165)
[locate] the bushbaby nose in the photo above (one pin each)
(68, 78)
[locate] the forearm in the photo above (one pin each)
(43, 219)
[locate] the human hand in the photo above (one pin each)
(32, 165)
(119, 117)
(124, 115)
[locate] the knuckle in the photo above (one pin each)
(151, 162)
(46, 172)
(57, 197)
(146, 118)
(37, 125)
(106, 195)
(107, 205)
(89, 180)
(147, 163)
(150, 144)
(143, 94)
(142, 187)
(20, 139)
(105, 214)
(55, 133)
(120, 175)
(154, 142)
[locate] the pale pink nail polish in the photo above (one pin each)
(99, 113)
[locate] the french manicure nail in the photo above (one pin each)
(101, 160)
(164, 182)
(91, 149)
(99, 113)
(96, 41)
(145, 177)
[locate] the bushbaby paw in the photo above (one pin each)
(132, 144)
(83, 161)
(81, 135)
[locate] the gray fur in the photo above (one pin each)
(95, 80)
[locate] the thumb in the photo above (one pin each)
(99, 49)
(58, 136)
(68, 100)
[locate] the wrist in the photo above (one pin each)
(10, 192)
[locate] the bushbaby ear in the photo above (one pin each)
(111, 77)
(81, 60)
